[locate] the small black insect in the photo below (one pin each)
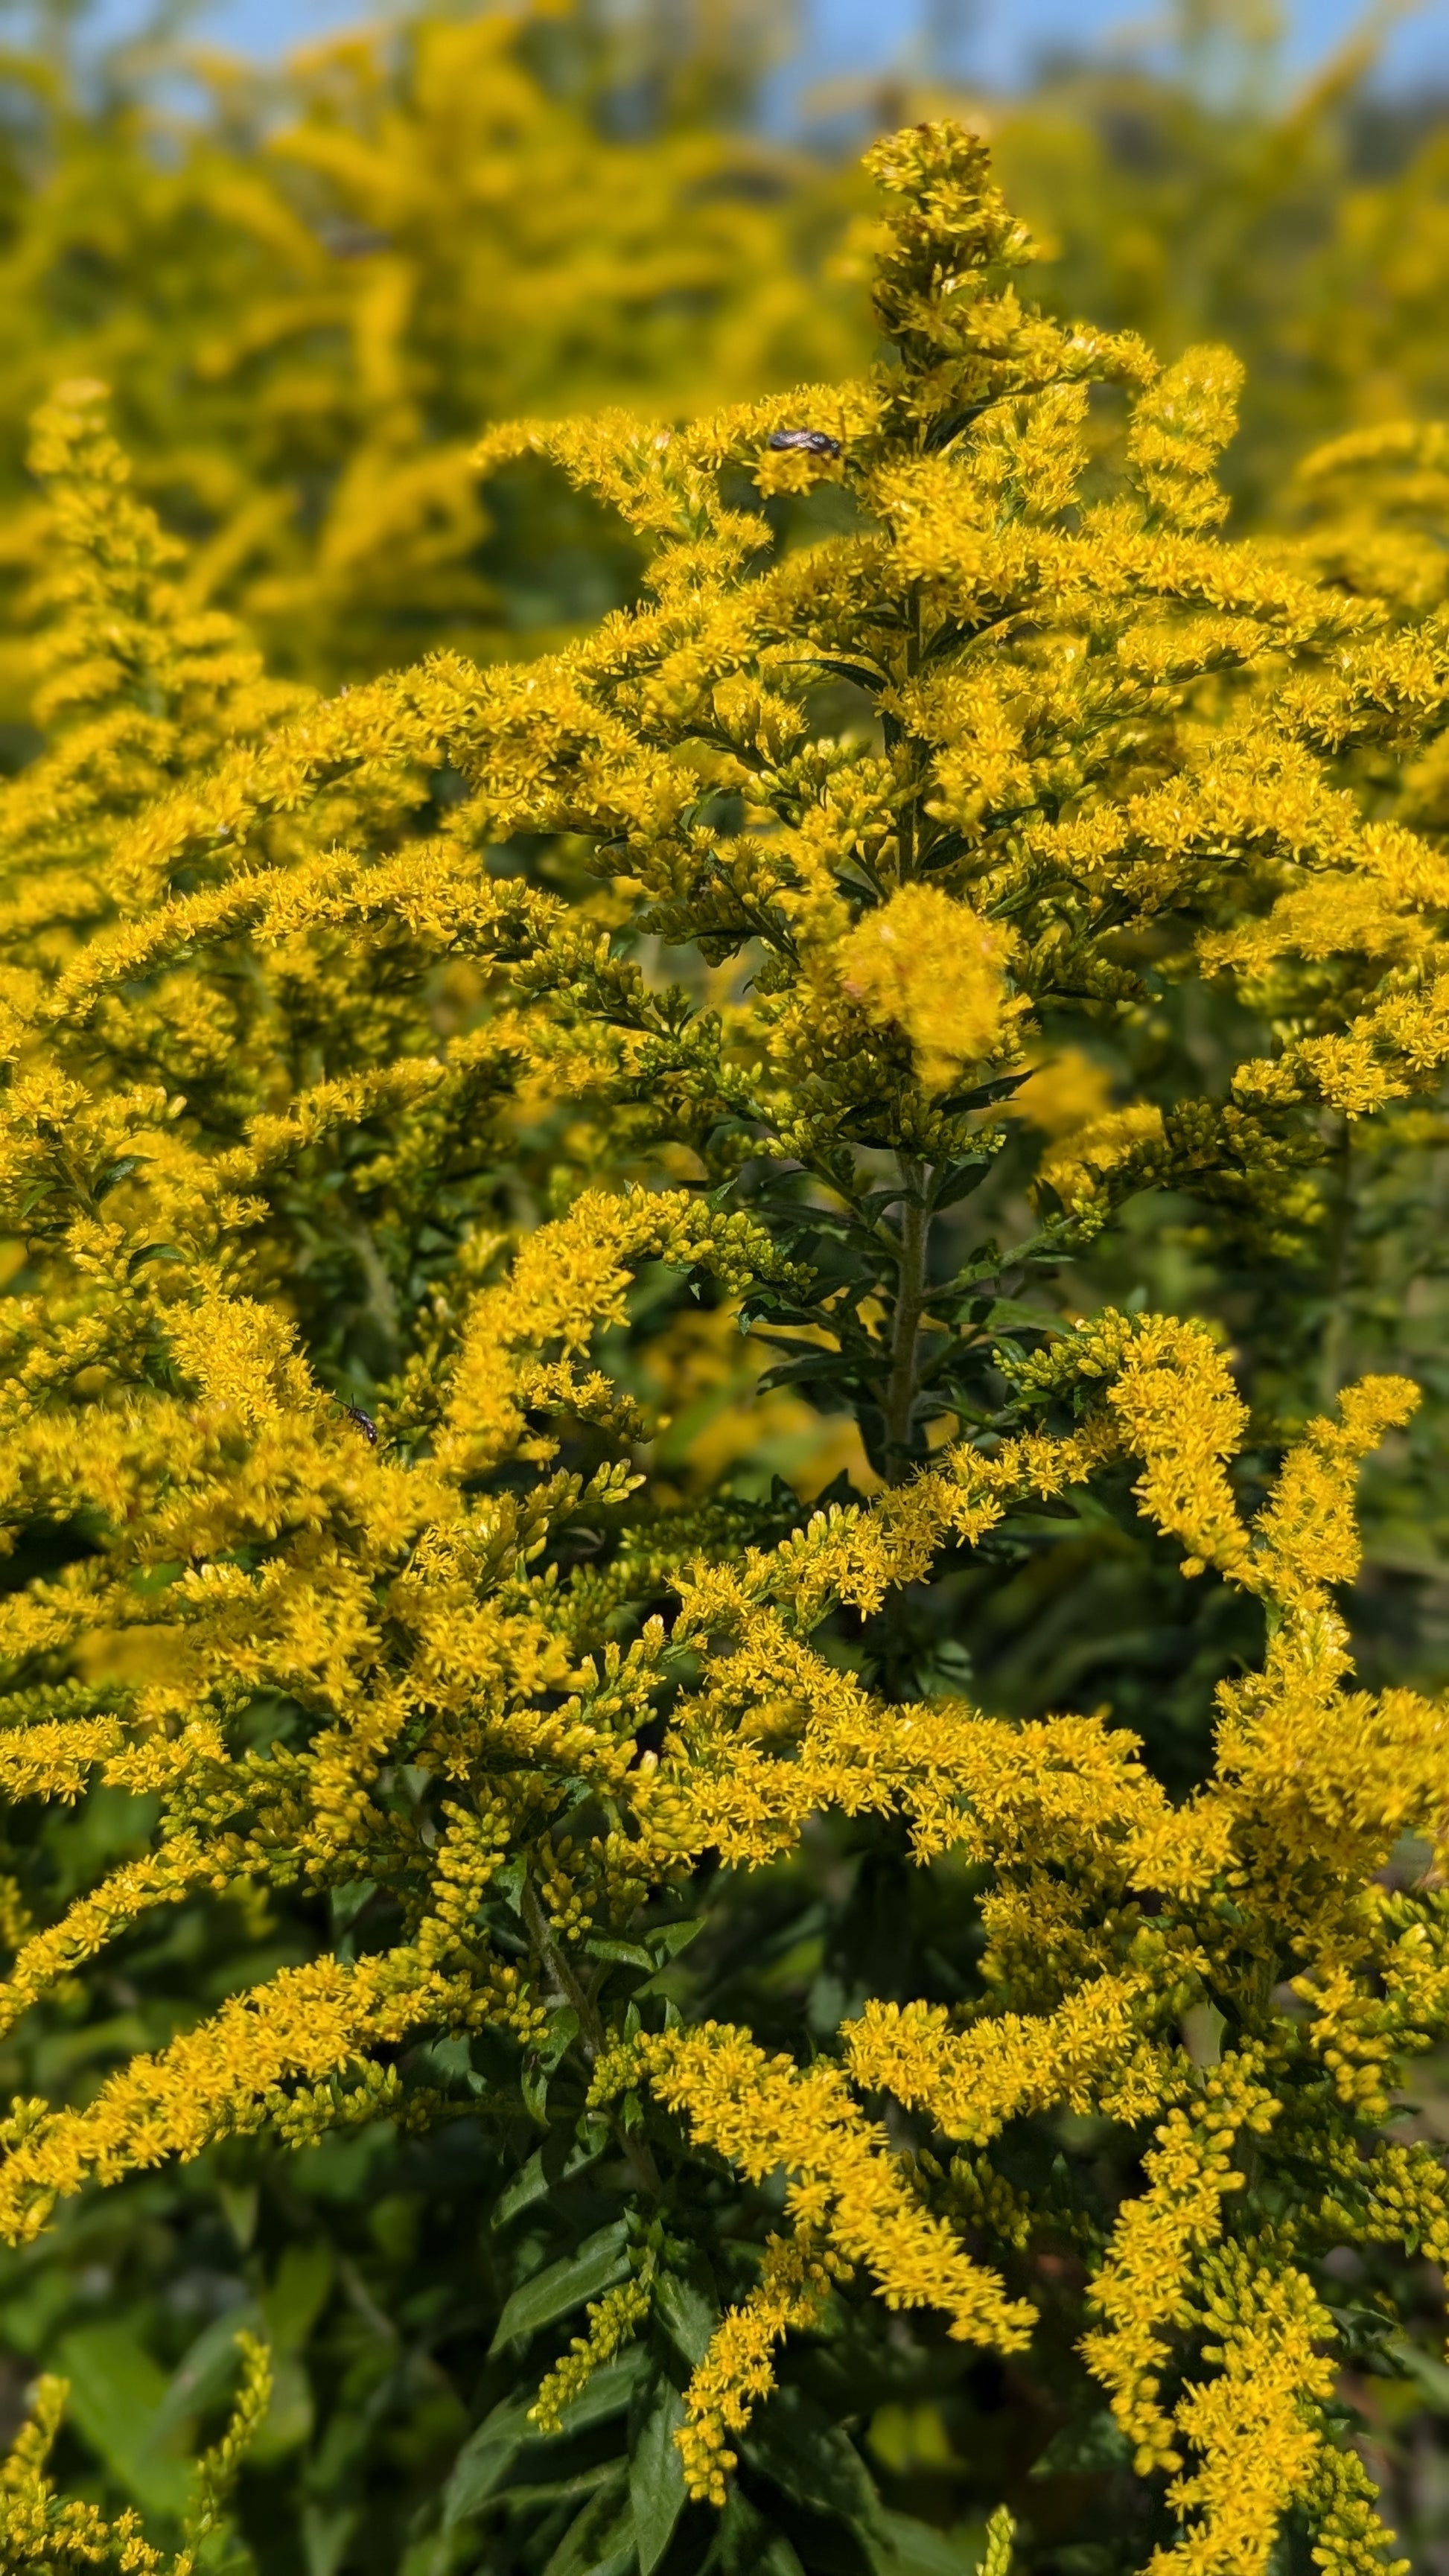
(364, 1422)
(810, 442)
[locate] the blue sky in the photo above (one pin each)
(1001, 36)
(861, 36)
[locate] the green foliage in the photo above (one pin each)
(310, 290)
(309, 305)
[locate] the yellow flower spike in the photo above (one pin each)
(973, 2083)
(1306, 1536)
(737, 2371)
(612, 2321)
(1178, 429)
(1000, 2533)
(1254, 2426)
(1143, 2290)
(763, 2112)
(39, 2528)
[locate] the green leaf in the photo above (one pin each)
(290, 2414)
(744, 2544)
(966, 1178)
(531, 2183)
(116, 2394)
(667, 1942)
(596, 2266)
(154, 1252)
(240, 2203)
(628, 1954)
(561, 2490)
(205, 2376)
(600, 2540)
(803, 1371)
(348, 1902)
(112, 1177)
(557, 2160)
(810, 2459)
(446, 2062)
(485, 2459)
(688, 2316)
(607, 2393)
(1007, 1314)
(563, 2030)
(984, 1093)
(656, 2474)
(860, 673)
(1429, 2374)
(905, 2547)
(325, 2535)
(1087, 2448)
(297, 2295)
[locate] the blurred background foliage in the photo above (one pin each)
(310, 285)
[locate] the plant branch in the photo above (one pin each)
(900, 1400)
(636, 2151)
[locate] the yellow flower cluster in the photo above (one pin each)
(937, 969)
(41, 2529)
(611, 2321)
(352, 1126)
(737, 2370)
(763, 2112)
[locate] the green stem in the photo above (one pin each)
(901, 1388)
(906, 831)
(566, 1985)
(1334, 1347)
(636, 2151)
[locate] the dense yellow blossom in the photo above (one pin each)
(312, 290)
(737, 2370)
(356, 1129)
(764, 2112)
(935, 968)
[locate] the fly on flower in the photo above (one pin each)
(806, 442)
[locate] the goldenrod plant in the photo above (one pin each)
(311, 288)
(817, 2113)
(1208, 187)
